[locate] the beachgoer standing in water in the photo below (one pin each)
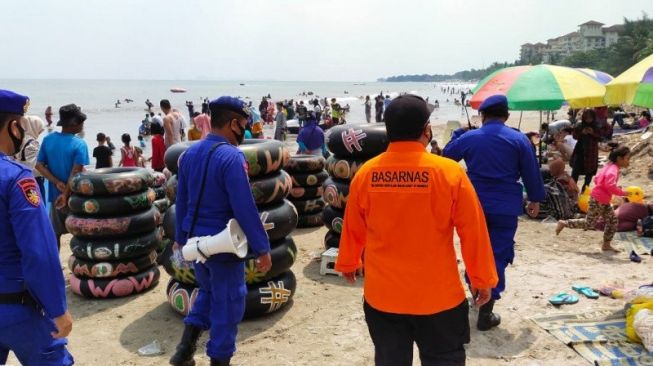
(496, 157)
(218, 168)
(34, 319)
(129, 154)
(171, 124)
(368, 109)
(600, 207)
(409, 250)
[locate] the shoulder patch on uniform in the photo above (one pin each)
(30, 190)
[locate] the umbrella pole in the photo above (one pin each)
(521, 114)
(540, 143)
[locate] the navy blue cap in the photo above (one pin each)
(13, 103)
(497, 100)
(231, 104)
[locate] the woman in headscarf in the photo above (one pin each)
(311, 137)
(585, 158)
(29, 151)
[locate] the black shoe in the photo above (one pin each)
(486, 318)
(186, 348)
(216, 362)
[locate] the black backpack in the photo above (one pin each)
(647, 226)
(557, 203)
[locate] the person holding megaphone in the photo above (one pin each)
(216, 221)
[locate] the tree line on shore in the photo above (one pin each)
(635, 44)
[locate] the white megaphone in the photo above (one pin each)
(230, 240)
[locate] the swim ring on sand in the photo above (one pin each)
(310, 206)
(115, 287)
(83, 268)
(343, 168)
(115, 249)
(284, 218)
(113, 226)
(310, 220)
(331, 240)
(283, 255)
(111, 181)
(111, 205)
(305, 193)
(333, 218)
(305, 163)
(357, 141)
(264, 156)
(309, 179)
(173, 153)
(336, 192)
(272, 188)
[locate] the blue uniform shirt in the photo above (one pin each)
(60, 152)
(496, 157)
(227, 194)
(29, 258)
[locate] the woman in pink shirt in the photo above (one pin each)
(599, 207)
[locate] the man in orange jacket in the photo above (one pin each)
(402, 209)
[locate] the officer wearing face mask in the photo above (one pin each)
(224, 194)
(34, 319)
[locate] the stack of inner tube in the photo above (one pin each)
(270, 185)
(351, 146)
(308, 174)
(116, 233)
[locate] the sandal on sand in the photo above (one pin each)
(563, 298)
(634, 257)
(586, 291)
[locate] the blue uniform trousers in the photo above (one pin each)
(220, 304)
(502, 229)
(27, 333)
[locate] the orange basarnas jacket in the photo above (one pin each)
(402, 209)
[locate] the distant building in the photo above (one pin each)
(590, 35)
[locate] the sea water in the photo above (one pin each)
(97, 98)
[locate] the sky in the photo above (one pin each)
(288, 40)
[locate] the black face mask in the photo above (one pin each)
(18, 142)
(239, 137)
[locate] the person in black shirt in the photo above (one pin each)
(102, 153)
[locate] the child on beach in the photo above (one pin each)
(102, 153)
(129, 155)
(599, 206)
(158, 148)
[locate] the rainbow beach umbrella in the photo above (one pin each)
(600, 76)
(634, 86)
(540, 88)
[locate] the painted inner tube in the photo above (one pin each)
(83, 268)
(305, 193)
(333, 218)
(270, 296)
(111, 181)
(331, 240)
(111, 205)
(357, 141)
(309, 179)
(336, 192)
(103, 250)
(284, 217)
(107, 288)
(162, 205)
(161, 250)
(179, 269)
(283, 255)
(93, 227)
(343, 168)
(160, 192)
(159, 179)
(307, 207)
(171, 189)
(311, 220)
(181, 296)
(262, 298)
(264, 156)
(169, 225)
(304, 163)
(171, 157)
(271, 189)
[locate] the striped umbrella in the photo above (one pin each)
(634, 86)
(599, 76)
(540, 88)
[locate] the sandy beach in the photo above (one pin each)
(324, 325)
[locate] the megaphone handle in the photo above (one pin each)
(206, 257)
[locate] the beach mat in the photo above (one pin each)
(599, 336)
(640, 244)
(621, 132)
